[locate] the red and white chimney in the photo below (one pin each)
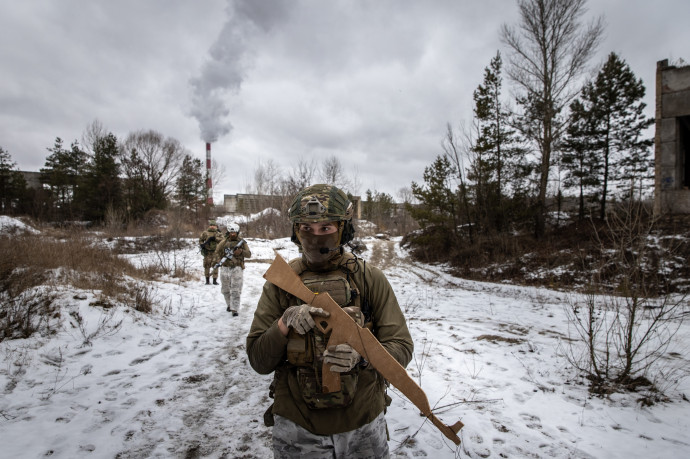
(209, 185)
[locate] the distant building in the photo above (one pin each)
(672, 140)
(246, 204)
(33, 179)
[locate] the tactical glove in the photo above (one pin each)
(341, 357)
(300, 317)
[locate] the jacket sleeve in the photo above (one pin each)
(266, 345)
(246, 252)
(390, 327)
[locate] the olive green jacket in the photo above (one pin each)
(266, 349)
(216, 235)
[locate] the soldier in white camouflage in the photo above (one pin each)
(283, 340)
(231, 253)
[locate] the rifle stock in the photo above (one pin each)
(344, 329)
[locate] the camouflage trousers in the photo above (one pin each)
(208, 264)
(293, 441)
(231, 280)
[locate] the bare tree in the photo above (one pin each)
(267, 178)
(623, 331)
(217, 173)
(456, 150)
(332, 172)
(548, 53)
(150, 163)
(405, 195)
(300, 176)
(94, 132)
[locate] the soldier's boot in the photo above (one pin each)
(215, 281)
(228, 309)
(208, 280)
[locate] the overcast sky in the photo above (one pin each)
(372, 82)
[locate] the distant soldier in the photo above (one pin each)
(208, 241)
(230, 254)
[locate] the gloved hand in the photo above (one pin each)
(341, 357)
(300, 317)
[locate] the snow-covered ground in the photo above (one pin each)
(177, 383)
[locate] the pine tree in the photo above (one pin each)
(190, 187)
(12, 186)
(102, 188)
(578, 158)
(437, 200)
(63, 174)
(378, 208)
(496, 150)
(612, 111)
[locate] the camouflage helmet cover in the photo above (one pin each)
(319, 203)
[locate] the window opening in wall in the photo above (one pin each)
(684, 149)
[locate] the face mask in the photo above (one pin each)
(312, 246)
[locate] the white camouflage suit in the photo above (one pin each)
(231, 280)
(231, 271)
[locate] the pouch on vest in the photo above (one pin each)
(312, 393)
(336, 286)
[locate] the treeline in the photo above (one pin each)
(105, 180)
(557, 143)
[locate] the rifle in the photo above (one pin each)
(228, 254)
(204, 245)
(344, 329)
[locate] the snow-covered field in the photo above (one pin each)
(177, 384)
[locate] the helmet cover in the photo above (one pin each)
(320, 203)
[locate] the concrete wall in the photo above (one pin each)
(33, 179)
(246, 204)
(671, 191)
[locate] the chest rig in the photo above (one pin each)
(305, 352)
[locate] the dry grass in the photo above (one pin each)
(30, 261)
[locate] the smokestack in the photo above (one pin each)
(209, 185)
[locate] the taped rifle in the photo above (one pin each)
(228, 254)
(344, 329)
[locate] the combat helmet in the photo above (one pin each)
(320, 203)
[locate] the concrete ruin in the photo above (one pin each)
(245, 204)
(672, 139)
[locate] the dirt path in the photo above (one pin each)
(383, 254)
(212, 406)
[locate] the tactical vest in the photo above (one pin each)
(305, 352)
(232, 244)
(211, 244)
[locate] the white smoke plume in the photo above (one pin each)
(222, 75)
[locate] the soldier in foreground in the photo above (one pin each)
(208, 241)
(283, 339)
(230, 254)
